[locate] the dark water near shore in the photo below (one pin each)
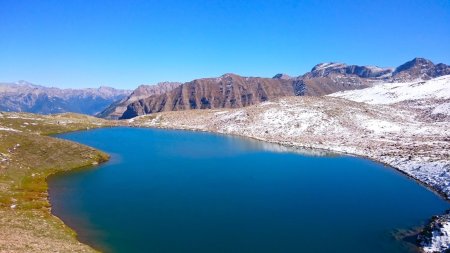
(179, 191)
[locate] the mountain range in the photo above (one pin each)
(23, 96)
(227, 91)
(234, 91)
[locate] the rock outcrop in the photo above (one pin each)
(227, 91)
(115, 110)
(419, 68)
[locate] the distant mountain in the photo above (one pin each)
(233, 91)
(23, 96)
(115, 110)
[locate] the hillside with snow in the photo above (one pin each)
(435, 92)
(389, 93)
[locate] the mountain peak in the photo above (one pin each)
(328, 65)
(106, 88)
(25, 83)
(420, 68)
(229, 75)
(421, 60)
(282, 76)
(417, 62)
(329, 69)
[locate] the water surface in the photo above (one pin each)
(179, 191)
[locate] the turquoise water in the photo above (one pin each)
(180, 191)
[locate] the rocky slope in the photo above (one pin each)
(390, 93)
(419, 68)
(26, 97)
(233, 91)
(227, 91)
(326, 78)
(431, 98)
(436, 235)
(115, 110)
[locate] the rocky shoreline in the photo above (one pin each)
(435, 237)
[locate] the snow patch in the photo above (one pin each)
(389, 93)
(442, 109)
(380, 126)
(440, 240)
(9, 129)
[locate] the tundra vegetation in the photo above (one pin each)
(28, 155)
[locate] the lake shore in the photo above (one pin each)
(434, 237)
(396, 136)
(423, 163)
(27, 157)
(180, 166)
(414, 158)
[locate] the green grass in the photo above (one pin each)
(27, 157)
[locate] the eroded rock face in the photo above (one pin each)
(115, 110)
(227, 91)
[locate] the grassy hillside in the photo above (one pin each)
(27, 157)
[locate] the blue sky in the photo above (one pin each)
(74, 43)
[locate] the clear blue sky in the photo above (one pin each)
(68, 43)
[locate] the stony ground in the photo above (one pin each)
(435, 237)
(27, 157)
